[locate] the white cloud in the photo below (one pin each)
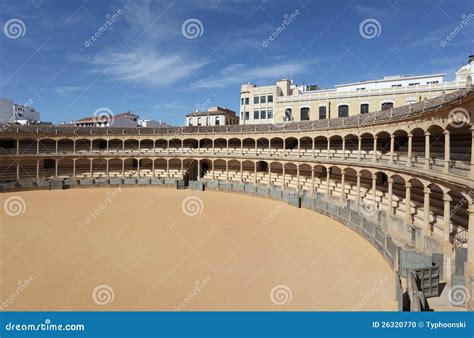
(148, 68)
(240, 73)
(66, 90)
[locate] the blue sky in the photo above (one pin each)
(143, 62)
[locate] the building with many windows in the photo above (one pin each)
(214, 116)
(286, 101)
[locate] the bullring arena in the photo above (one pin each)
(319, 215)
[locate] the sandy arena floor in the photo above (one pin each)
(143, 252)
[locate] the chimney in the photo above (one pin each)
(471, 58)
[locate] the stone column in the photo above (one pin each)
(269, 175)
(107, 168)
(256, 147)
(390, 196)
(227, 146)
(107, 146)
(241, 172)
(73, 167)
(298, 177)
(392, 148)
(17, 171)
(153, 166)
(374, 155)
(343, 148)
(426, 207)
(199, 170)
(213, 177)
(269, 147)
(284, 178)
(199, 147)
(138, 168)
(182, 168)
(38, 169)
(168, 168)
(359, 149)
(447, 152)
(408, 203)
(90, 148)
(343, 178)
(226, 170)
(328, 155)
(242, 147)
(123, 168)
(374, 190)
(410, 147)
(313, 147)
(37, 147)
(17, 147)
(140, 145)
(328, 177)
(255, 173)
(358, 188)
(299, 146)
(427, 150)
(74, 146)
(56, 164)
(447, 217)
(91, 168)
(284, 147)
(56, 148)
(312, 180)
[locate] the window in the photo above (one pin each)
(322, 112)
(263, 114)
(396, 85)
(247, 115)
(387, 105)
(288, 115)
(199, 121)
(364, 108)
(256, 99)
(432, 82)
(361, 88)
(343, 110)
(263, 99)
(247, 100)
(208, 121)
(270, 98)
(304, 114)
(255, 115)
(190, 122)
(218, 121)
(270, 114)
(414, 84)
(242, 101)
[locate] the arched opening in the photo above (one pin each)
(160, 168)
(306, 147)
(383, 146)
(99, 167)
(367, 147)
(291, 146)
(304, 114)
(83, 146)
(146, 168)
(248, 168)
(220, 170)
(205, 145)
(27, 146)
(277, 146)
(234, 171)
(343, 110)
(131, 146)
(147, 146)
(400, 146)
(262, 146)
(65, 146)
(352, 146)
(175, 170)
(27, 170)
(7, 146)
(190, 145)
(83, 167)
(175, 146)
(320, 146)
(161, 146)
(262, 172)
(234, 145)
(335, 150)
(220, 145)
(249, 146)
(418, 147)
(460, 149)
(99, 145)
(276, 177)
(115, 167)
(65, 168)
(115, 146)
(47, 146)
(436, 147)
(8, 170)
(130, 165)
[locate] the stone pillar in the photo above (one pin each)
(471, 173)
(269, 147)
(213, 177)
(343, 178)
(168, 168)
(199, 147)
(426, 207)
(107, 146)
(312, 180)
(227, 146)
(153, 166)
(37, 147)
(17, 147)
(343, 148)
(299, 147)
(374, 155)
(199, 170)
(91, 169)
(374, 190)
(284, 178)
(242, 147)
(328, 177)
(90, 148)
(298, 177)
(328, 155)
(182, 168)
(447, 217)
(427, 150)
(107, 168)
(138, 167)
(284, 147)
(17, 171)
(38, 169)
(255, 173)
(470, 238)
(447, 152)
(241, 172)
(73, 167)
(226, 170)
(410, 147)
(392, 148)
(358, 189)
(74, 146)
(140, 145)
(269, 175)
(56, 164)
(313, 147)
(256, 147)
(359, 149)
(56, 147)
(123, 146)
(408, 203)
(390, 196)
(167, 146)
(123, 168)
